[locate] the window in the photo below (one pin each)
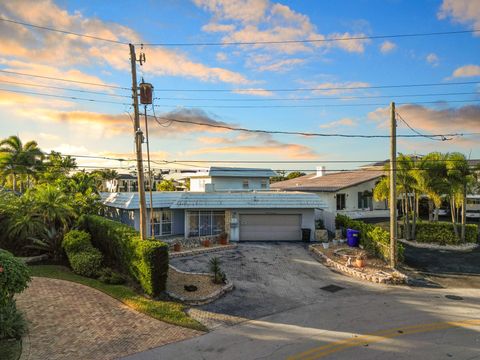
(264, 183)
(340, 201)
(364, 200)
(245, 183)
(205, 223)
(473, 201)
(162, 222)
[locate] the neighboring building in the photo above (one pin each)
(346, 192)
(128, 183)
(231, 179)
(245, 216)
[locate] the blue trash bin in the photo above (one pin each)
(353, 237)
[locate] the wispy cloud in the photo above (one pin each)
(254, 92)
(432, 59)
(387, 46)
(461, 11)
(466, 71)
(339, 123)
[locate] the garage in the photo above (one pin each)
(270, 227)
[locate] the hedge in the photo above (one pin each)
(442, 232)
(145, 260)
(84, 259)
(373, 238)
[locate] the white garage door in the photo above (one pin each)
(270, 227)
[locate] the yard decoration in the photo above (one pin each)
(206, 243)
(177, 247)
(223, 238)
(360, 260)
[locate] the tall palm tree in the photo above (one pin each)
(18, 159)
(52, 204)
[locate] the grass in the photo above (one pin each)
(10, 349)
(167, 311)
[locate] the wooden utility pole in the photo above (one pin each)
(393, 187)
(150, 177)
(138, 146)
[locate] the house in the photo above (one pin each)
(346, 192)
(232, 200)
(231, 179)
(128, 183)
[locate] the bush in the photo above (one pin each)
(373, 238)
(108, 276)
(84, 259)
(12, 324)
(442, 233)
(144, 260)
(219, 276)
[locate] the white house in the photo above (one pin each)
(346, 192)
(222, 199)
(128, 183)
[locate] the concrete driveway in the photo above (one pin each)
(269, 278)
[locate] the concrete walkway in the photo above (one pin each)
(71, 321)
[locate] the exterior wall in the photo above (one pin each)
(308, 219)
(126, 217)
(223, 183)
(198, 184)
(178, 219)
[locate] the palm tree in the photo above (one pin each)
(17, 159)
(52, 204)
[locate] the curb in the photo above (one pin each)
(206, 299)
(194, 252)
(466, 247)
(398, 279)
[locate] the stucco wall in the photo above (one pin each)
(227, 183)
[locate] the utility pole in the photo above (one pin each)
(138, 146)
(150, 178)
(393, 187)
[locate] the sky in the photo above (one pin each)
(184, 77)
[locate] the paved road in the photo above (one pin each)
(363, 321)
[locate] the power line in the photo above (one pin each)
(64, 97)
(236, 43)
(312, 134)
(319, 98)
(419, 133)
(328, 39)
(366, 87)
(307, 106)
(67, 80)
(63, 88)
(65, 32)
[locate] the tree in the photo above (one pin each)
(52, 204)
(166, 185)
(294, 174)
(56, 167)
(105, 175)
(18, 159)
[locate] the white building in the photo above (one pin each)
(346, 192)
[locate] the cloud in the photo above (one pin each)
(254, 92)
(265, 21)
(45, 47)
(461, 11)
(221, 56)
(466, 71)
(432, 59)
(334, 88)
(438, 121)
(387, 46)
(281, 66)
(339, 123)
(212, 27)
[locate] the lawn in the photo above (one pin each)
(10, 349)
(167, 311)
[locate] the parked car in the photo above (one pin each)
(472, 214)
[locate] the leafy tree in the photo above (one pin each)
(56, 167)
(166, 185)
(52, 204)
(294, 174)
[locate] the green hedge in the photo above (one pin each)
(144, 260)
(373, 238)
(84, 259)
(442, 233)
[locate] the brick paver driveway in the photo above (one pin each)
(71, 321)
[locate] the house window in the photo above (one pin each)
(162, 222)
(364, 200)
(205, 223)
(340, 201)
(473, 201)
(264, 183)
(245, 183)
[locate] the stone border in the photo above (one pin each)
(464, 247)
(378, 278)
(206, 299)
(198, 251)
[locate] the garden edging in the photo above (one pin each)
(206, 299)
(463, 247)
(198, 251)
(399, 277)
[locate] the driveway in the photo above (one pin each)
(269, 278)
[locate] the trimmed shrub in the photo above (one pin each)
(12, 323)
(108, 276)
(144, 260)
(442, 233)
(84, 259)
(373, 238)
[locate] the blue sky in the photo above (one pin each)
(89, 128)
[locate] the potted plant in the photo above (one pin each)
(206, 242)
(326, 244)
(223, 238)
(360, 260)
(321, 234)
(177, 247)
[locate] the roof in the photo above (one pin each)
(330, 182)
(130, 200)
(217, 200)
(235, 172)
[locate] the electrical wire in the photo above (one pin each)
(419, 133)
(66, 80)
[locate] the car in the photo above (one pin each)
(472, 214)
(442, 212)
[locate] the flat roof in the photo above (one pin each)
(235, 172)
